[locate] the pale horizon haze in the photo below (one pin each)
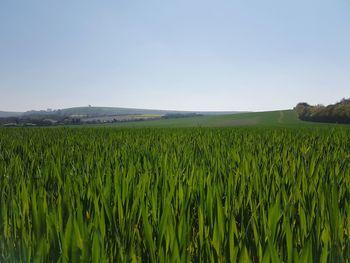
(173, 55)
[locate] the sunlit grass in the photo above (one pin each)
(170, 195)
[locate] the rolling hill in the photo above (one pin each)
(282, 118)
(153, 118)
(105, 111)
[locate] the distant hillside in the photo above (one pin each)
(83, 115)
(334, 113)
(6, 114)
(108, 111)
(281, 118)
(93, 112)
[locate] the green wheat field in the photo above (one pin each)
(232, 194)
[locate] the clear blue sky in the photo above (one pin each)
(185, 55)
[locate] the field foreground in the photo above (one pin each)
(169, 195)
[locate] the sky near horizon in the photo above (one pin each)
(180, 55)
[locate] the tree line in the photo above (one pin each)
(334, 113)
(38, 121)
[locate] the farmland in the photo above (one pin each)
(258, 193)
(283, 118)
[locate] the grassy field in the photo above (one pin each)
(242, 194)
(284, 118)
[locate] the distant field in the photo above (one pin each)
(280, 118)
(284, 118)
(109, 119)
